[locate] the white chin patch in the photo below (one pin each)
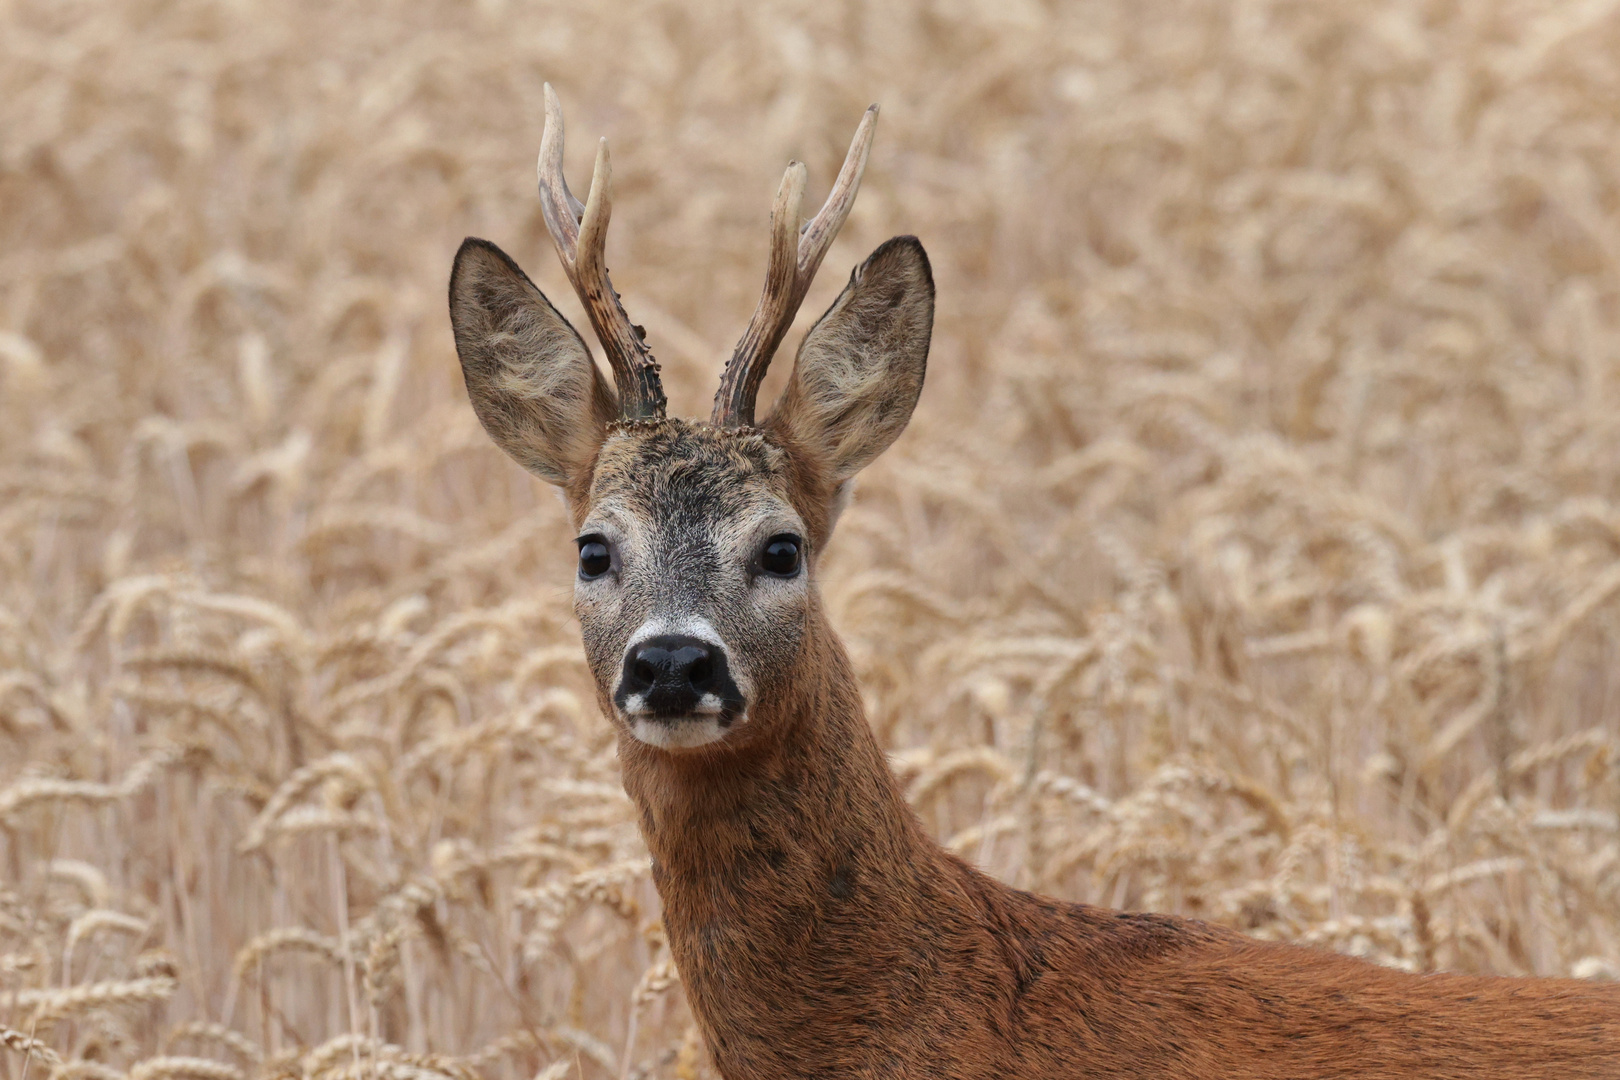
(683, 734)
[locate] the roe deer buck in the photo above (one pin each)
(818, 930)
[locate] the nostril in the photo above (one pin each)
(700, 673)
(643, 671)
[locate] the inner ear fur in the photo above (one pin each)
(860, 369)
(529, 374)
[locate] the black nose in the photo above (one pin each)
(672, 671)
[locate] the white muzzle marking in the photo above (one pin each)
(701, 728)
(687, 733)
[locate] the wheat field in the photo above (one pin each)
(1254, 553)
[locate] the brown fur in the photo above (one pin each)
(819, 931)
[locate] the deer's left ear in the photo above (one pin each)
(860, 370)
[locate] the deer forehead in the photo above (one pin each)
(682, 476)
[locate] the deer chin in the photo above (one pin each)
(686, 733)
(709, 723)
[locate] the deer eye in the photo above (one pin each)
(781, 555)
(594, 557)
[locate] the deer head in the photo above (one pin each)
(698, 541)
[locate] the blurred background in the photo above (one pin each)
(1254, 553)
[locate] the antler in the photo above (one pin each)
(795, 255)
(580, 234)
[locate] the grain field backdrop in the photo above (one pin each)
(1254, 553)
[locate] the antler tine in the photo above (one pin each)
(796, 254)
(580, 236)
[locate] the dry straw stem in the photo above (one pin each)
(93, 922)
(382, 963)
(25, 793)
(284, 939)
(203, 1032)
(354, 1057)
(29, 1046)
(90, 881)
(159, 1068)
(1252, 554)
(85, 997)
(86, 1070)
(340, 767)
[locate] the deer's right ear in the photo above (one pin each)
(530, 377)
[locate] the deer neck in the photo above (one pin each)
(776, 864)
(790, 809)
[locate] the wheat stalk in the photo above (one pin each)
(54, 1004)
(28, 1046)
